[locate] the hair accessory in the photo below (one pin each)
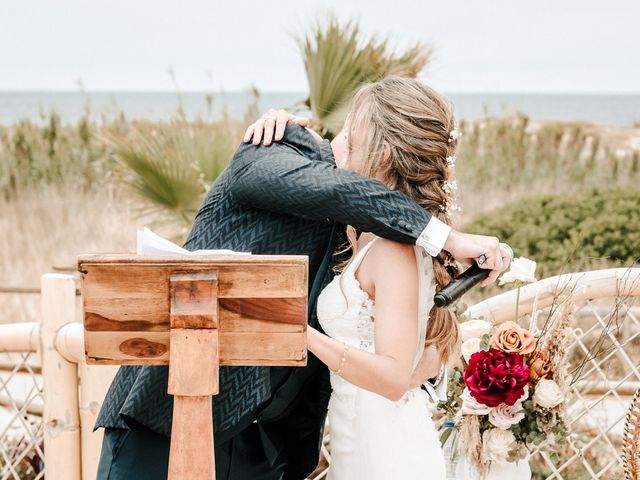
(451, 161)
(454, 134)
(450, 188)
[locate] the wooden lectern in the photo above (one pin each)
(194, 314)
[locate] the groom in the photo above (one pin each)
(286, 198)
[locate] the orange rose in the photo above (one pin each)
(539, 365)
(511, 337)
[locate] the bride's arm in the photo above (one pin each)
(388, 371)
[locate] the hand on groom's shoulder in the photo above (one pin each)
(296, 140)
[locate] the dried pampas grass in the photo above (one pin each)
(557, 338)
(631, 440)
(471, 444)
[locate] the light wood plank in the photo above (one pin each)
(239, 314)
(194, 300)
(151, 281)
(191, 452)
(190, 350)
(130, 258)
(236, 348)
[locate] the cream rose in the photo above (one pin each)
(470, 406)
(503, 416)
(474, 329)
(547, 394)
(469, 347)
(522, 269)
(496, 444)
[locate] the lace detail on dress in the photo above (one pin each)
(364, 319)
(365, 326)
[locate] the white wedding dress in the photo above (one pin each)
(372, 437)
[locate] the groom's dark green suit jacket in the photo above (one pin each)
(288, 198)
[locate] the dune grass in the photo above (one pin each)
(501, 160)
(45, 229)
(66, 190)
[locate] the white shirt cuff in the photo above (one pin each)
(434, 236)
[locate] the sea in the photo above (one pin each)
(607, 109)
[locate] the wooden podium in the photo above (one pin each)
(194, 314)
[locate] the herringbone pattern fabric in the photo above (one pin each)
(281, 199)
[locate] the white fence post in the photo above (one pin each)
(60, 381)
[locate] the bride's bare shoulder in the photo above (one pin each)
(393, 255)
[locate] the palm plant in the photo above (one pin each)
(172, 166)
(338, 59)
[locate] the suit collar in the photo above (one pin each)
(326, 152)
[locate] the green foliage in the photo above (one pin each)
(455, 386)
(171, 166)
(592, 228)
(485, 342)
(539, 425)
(338, 59)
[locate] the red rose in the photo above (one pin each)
(494, 377)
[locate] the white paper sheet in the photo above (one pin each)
(149, 243)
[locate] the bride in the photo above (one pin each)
(378, 313)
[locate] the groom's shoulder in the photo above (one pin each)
(296, 141)
(299, 139)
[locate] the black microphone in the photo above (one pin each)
(466, 280)
(460, 285)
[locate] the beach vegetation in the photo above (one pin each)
(591, 229)
(339, 58)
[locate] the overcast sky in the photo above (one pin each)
(579, 46)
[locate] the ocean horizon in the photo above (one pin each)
(35, 106)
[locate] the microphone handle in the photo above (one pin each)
(460, 285)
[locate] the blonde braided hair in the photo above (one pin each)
(417, 124)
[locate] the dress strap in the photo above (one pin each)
(360, 256)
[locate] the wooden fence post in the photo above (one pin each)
(94, 383)
(60, 381)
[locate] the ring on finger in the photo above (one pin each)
(482, 259)
(269, 117)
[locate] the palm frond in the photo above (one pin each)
(338, 59)
(171, 167)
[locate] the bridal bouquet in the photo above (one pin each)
(509, 392)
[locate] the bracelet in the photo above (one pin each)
(343, 359)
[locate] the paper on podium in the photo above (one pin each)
(149, 243)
